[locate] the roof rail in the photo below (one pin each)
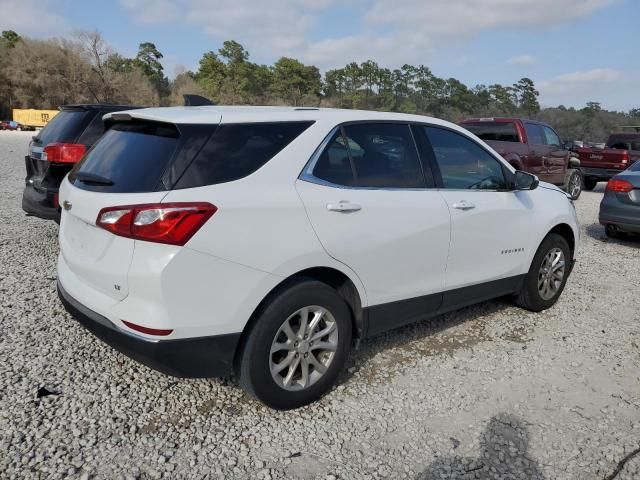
(193, 100)
(306, 108)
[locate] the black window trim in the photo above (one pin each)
(307, 172)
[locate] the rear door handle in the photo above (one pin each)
(343, 206)
(464, 205)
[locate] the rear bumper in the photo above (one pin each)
(187, 357)
(42, 205)
(599, 173)
(623, 215)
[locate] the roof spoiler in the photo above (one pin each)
(191, 100)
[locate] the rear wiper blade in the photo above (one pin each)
(92, 178)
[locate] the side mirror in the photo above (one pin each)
(525, 181)
(568, 145)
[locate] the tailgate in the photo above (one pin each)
(97, 257)
(607, 158)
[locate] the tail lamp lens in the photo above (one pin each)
(619, 186)
(169, 223)
(64, 152)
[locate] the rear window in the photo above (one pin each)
(65, 127)
(130, 157)
(624, 142)
(237, 150)
(496, 131)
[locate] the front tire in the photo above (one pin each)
(573, 183)
(547, 275)
(297, 346)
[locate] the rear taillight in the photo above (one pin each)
(64, 152)
(619, 186)
(625, 157)
(170, 223)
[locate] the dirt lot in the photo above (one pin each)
(488, 392)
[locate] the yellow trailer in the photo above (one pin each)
(32, 117)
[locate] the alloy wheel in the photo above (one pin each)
(551, 273)
(303, 348)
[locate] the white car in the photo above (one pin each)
(264, 241)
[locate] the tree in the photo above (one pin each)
(526, 96)
(292, 80)
(10, 38)
(211, 75)
(148, 61)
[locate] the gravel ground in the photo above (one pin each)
(487, 392)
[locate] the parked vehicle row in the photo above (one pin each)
(11, 125)
(266, 241)
(600, 164)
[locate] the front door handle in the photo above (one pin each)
(464, 205)
(343, 206)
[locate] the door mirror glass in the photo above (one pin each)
(525, 181)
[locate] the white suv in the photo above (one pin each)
(264, 241)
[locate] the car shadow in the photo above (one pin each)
(419, 338)
(596, 231)
(504, 453)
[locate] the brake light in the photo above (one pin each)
(619, 186)
(170, 223)
(147, 330)
(625, 157)
(64, 152)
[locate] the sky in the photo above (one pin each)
(575, 50)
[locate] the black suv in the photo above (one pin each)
(54, 152)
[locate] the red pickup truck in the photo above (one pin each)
(531, 146)
(600, 164)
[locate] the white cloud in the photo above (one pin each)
(613, 88)
(390, 31)
(521, 60)
(32, 18)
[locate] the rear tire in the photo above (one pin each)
(573, 183)
(287, 366)
(590, 183)
(547, 275)
(612, 231)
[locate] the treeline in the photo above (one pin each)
(85, 69)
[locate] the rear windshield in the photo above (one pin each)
(497, 131)
(65, 127)
(130, 157)
(237, 150)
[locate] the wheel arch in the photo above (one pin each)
(330, 276)
(565, 230)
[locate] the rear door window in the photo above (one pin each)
(65, 127)
(237, 150)
(371, 155)
(494, 131)
(130, 157)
